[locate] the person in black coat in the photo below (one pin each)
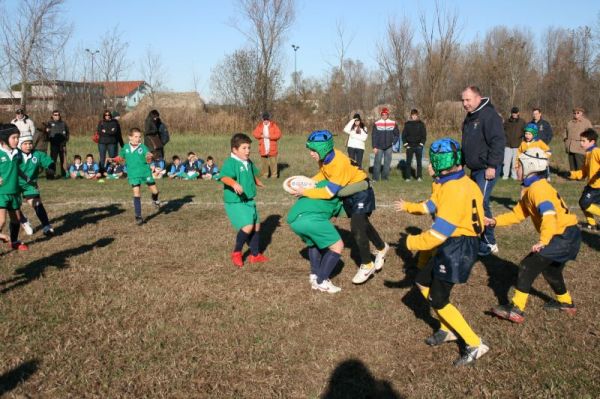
(414, 135)
(109, 138)
(152, 128)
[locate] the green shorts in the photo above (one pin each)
(242, 214)
(138, 181)
(315, 229)
(30, 192)
(11, 202)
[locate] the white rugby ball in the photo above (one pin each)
(294, 182)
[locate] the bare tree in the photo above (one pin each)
(394, 59)
(112, 58)
(268, 21)
(29, 35)
(153, 71)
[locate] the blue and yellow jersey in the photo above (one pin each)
(339, 171)
(427, 207)
(459, 212)
(526, 145)
(543, 204)
(591, 168)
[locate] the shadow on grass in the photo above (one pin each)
(75, 220)
(170, 207)
(267, 229)
(350, 243)
(11, 379)
(60, 260)
(352, 379)
(506, 202)
(590, 239)
(281, 167)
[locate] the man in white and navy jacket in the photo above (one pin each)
(385, 132)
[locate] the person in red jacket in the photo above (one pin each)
(268, 133)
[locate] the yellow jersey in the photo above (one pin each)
(459, 212)
(591, 168)
(543, 204)
(525, 145)
(338, 169)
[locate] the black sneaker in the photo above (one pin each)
(139, 221)
(569, 308)
(439, 337)
(509, 312)
(590, 227)
(156, 204)
(471, 354)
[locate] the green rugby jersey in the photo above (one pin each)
(32, 163)
(243, 173)
(10, 161)
(328, 207)
(135, 159)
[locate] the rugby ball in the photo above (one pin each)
(294, 182)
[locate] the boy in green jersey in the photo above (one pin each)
(33, 160)
(239, 176)
(309, 219)
(10, 194)
(137, 157)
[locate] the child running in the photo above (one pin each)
(458, 222)
(10, 194)
(559, 240)
(340, 172)
(136, 157)
(239, 176)
(590, 198)
(33, 161)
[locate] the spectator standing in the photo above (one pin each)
(513, 131)
(40, 139)
(109, 137)
(544, 127)
(414, 135)
(268, 133)
(357, 135)
(152, 130)
(23, 123)
(58, 135)
(483, 143)
(383, 135)
(572, 139)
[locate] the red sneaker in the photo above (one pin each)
(258, 258)
(236, 258)
(19, 246)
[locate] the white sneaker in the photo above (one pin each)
(327, 286)
(493, 248)
(380, 257)
(363, 274)
(48, 230)
(27, 228)
(312, 279)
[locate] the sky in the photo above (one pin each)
(193, 36)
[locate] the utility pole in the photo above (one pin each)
(92, 53)
(295, 70)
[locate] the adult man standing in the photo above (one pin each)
(544, 127)
(58, 134)
(385, 132)
(483, 143)
(268, 133)
(513, 131)
(575, 127)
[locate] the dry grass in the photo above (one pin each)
(109, 309)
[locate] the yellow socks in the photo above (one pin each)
(425, 293)
(520, 300)
(452, 316)
(593, 209)
(589, 218)
(564, 298)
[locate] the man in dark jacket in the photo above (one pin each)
(58, 135)
(152, 127)
(109, 138)
(483, 144)
(544, 127)
(513, 131)
(385, 133)
(414, 135)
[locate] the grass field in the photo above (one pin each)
(109, 309)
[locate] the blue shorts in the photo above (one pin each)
(563, 247)
(455, 258)
(363, 202)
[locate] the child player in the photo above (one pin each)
(531, 140)
(10, 194)
(137, 156)
(340, 172)
(558, 243)
(590, 198)
(33, 160)
(454, 235)
(239, 176)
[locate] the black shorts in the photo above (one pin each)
(563, 247)
(589, 196)
(363, 202)
(452, 262)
